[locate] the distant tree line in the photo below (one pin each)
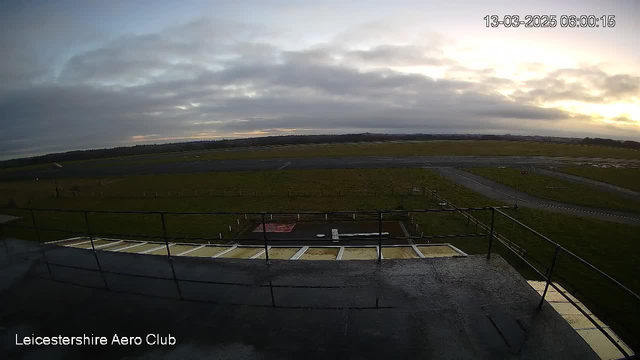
(289, 140)
(613, 143)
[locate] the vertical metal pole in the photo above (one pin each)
(44, 253)
(273, 300)
(553, 265)
(264, 236)
(166, 243)
(95, 254)
(493, 216)
(379, 236)
(164, 235)
(4, 241)
(86, 222)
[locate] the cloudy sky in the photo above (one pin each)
(87, 74)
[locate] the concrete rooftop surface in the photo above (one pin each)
(439, 308)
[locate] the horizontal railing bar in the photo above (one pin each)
(500, 239)
(345, 212)
(615, 343)
(205, 281)
(225, 303)
(585, 262)
(522, 258)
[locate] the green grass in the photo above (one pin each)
(262, 183)
(332, 190)
(573, 231)
(612, 247)
(416, 148)
(26, 167)
(543, 186)
(627, 178)
(424, 148)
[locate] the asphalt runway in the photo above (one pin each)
(497, 191)
(112, 168)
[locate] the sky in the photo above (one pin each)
(84, 74)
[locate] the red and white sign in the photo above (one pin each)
(276, 228)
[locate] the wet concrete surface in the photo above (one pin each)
(497, 191)
(89, 169)
(245, 309)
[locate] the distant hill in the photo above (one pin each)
(290, 140)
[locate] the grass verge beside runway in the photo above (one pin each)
(612, 247)
(278, 191)
(548, 187)
(623, 177)
(359, 189)
(419, 148)
(408, 148)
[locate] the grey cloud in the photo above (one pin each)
(400, 55)
(321, 55)
(180, 83)
(625, 120)
(583, 84)
(621, 86)
(31, 41)
(292, 95)
(180, 50)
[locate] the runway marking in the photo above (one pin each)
(154, 249)
(285, 165)
(260, 253)
(300, 252)
(111, 244)
(224, 252)
(191, 250)
(129, 247)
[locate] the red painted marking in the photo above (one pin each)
(276, 228)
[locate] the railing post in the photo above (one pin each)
(86, 222)
(273, 299)
(264, 237)
(44, 253)
(95, 254)
(379, 236)
(164, 235)
(166, 243)
(546, 287)
(493, 217)
(4, 241)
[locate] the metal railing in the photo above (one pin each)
(379, 215)
(245, 192)
(549, 273)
